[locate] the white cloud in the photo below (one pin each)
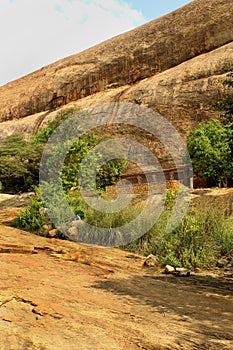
(36, 33)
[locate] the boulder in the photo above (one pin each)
(151, 261)
(52, 233)
(169, 269)
(182, 272)
(46, 228)
(177, 271)
(72, 232)
(183, 94)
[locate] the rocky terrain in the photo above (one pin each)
(175, 65)
(56, 294)
(183, 94)
(61, 295)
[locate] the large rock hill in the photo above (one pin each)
(140, 62)
(183, 94)
(174, 65)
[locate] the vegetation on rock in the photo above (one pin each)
(210, 145)
(202, 239)
(204, 236)
(19, 164)
(209, 148)
(20, 159)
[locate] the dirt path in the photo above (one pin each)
(61, 295)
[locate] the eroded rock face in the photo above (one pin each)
(183, 94)
(199, 27)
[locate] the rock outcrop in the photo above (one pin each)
(174, 65)
(56, 294)
(183, 94)
(197, 28)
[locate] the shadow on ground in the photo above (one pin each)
(205, 302)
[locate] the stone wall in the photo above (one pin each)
(156, 188)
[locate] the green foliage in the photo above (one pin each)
(112, 222)
(76, 154)
(43, 134)
(34, 220)
(146, 243)
(170, 199)
(210, 151)
(110, 173)
(20, 159)
(79, 155)
(56, 202)
(82, 166)
(204, 236)
(30, 218)
(191, 244)
(19, 164)
(200, 240)
(59, 210)
(226, 104)
(211, 144)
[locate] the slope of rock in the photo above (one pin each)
(199, 27)
(183, 94)
(61, 295)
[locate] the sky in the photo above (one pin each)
(35, 33)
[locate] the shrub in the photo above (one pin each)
(200, 240)
(30, 218)
(203, 236)
(210, 149)
(19, 164)
(33, 220)
(20, 159)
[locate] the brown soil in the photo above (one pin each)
(63, 295)
(215, 192)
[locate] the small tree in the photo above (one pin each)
(226, 104)
(20, 159)
(211, 144)
(19, 164)
(209, 148)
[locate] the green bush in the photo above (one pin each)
(19, 164)
(203, 237)
(20, 159)
(30, 218)
(200, 240)
(209, 146)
